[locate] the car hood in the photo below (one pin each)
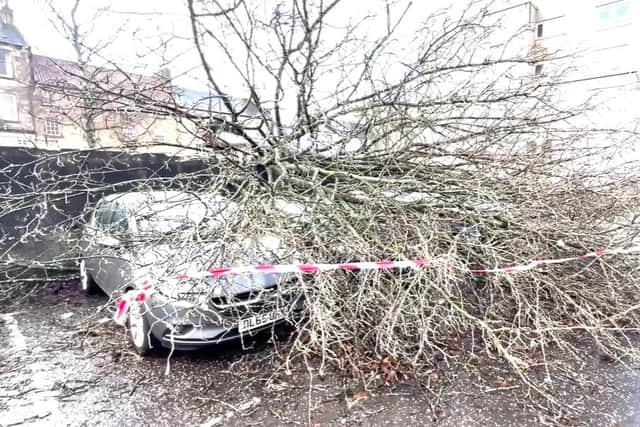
(167, 260)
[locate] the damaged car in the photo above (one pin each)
(168, 239)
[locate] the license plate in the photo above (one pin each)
(254, 322)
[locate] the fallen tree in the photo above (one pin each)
(447, 148)
(397, 137)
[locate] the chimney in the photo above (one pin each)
(6, 14)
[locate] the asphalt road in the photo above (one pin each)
(63, 362)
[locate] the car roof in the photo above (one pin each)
(136, 198)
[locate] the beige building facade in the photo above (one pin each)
(594, 45)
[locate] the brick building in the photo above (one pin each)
(55, 104)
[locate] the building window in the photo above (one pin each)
(614, 13)
(539, 30)
(47, 98)
(8, 108)
(538, 69)
(621, 10)
(128, 134)
(158, 138)
(51, 127)
(5, 64)
(127, 117)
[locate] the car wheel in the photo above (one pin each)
(88, 285)
(139, 330)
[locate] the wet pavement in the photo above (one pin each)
(63, 362)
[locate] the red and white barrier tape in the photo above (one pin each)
(386, 265)
(146, 289)
(140, 294)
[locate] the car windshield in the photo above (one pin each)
(169, 216)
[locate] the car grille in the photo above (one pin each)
(247, 304)
(239, 299)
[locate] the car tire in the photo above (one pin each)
(87, 284)
(139, 330)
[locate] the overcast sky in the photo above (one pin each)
(152, 33)
(139, 30)
(156, 33)
(33, 18)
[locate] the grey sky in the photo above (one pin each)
(151, 33)
(145, 33)
(144, 25)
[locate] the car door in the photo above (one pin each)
(93, 234)
(103, 243)
(117, 269)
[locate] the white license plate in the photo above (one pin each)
(254, 322)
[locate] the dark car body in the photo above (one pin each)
(148, 237)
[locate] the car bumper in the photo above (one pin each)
(180, 328)
(210, 335)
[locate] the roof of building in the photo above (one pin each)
(122, 88)
(69, 76)
(9, 34)
(59, 72)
